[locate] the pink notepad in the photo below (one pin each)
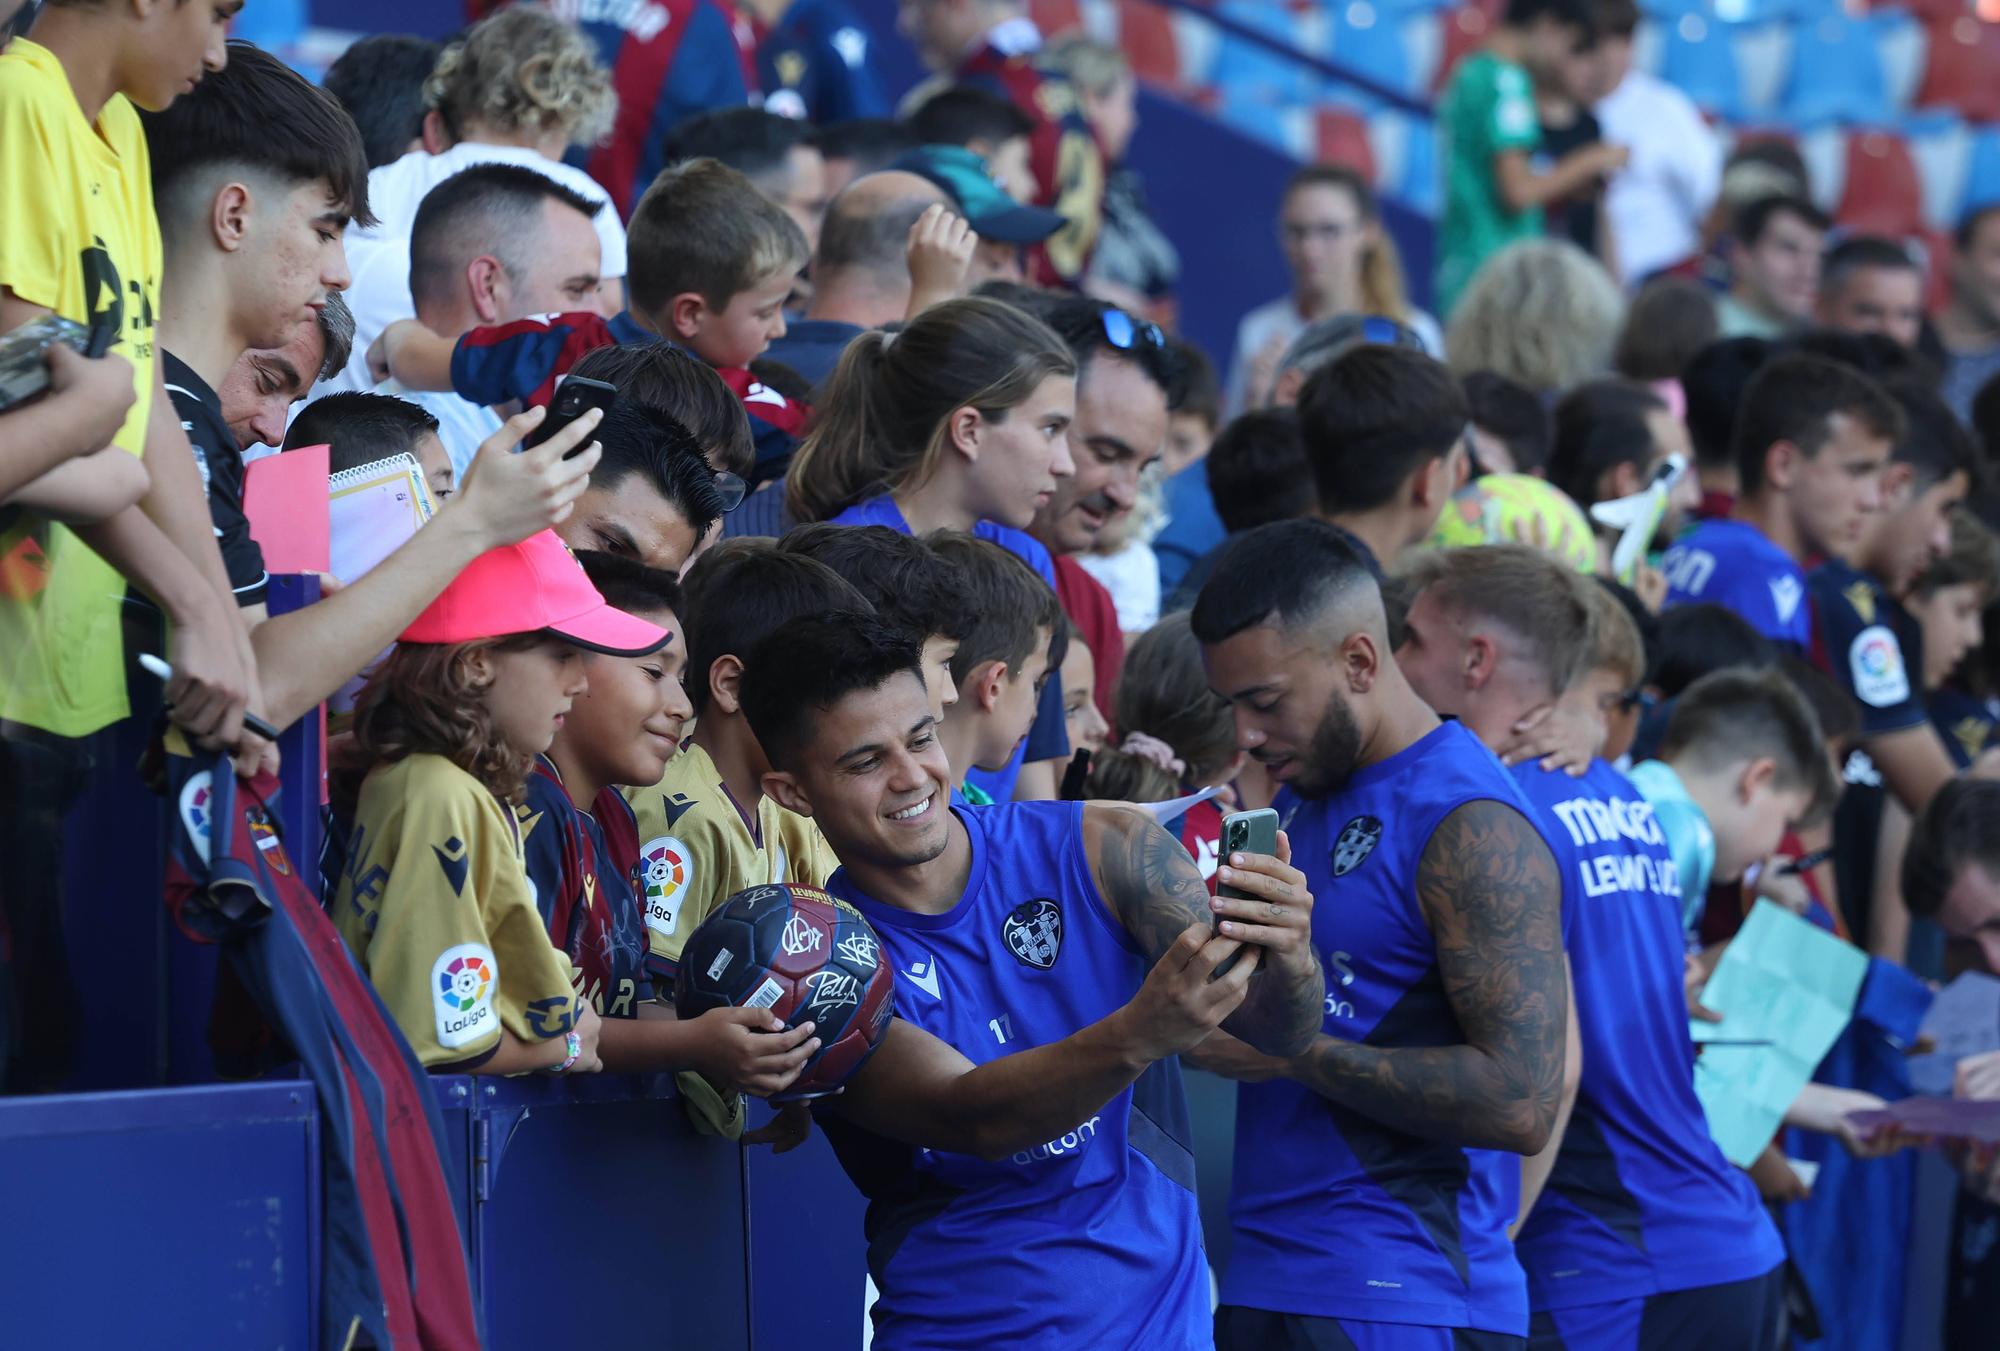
(285, 497)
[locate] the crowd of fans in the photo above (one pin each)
(1680, 508)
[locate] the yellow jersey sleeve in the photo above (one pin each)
(437, 903)
(809, 858)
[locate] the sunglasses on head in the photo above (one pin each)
(731, 489)
(1124, 332)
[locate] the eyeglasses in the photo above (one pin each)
(23, 20)
(1124, 332)
(731, 489)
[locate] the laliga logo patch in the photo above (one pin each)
(1876, 663)
(666, 870)
(1034, 933)
(1357, 841)
(195, 813)
(462, 981)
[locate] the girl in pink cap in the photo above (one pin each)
(434, 897)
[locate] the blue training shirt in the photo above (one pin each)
(814, 64)
(1333, 1214)
(1641, 1201)
(1735, 565)
(1092, 1239)
(1048, 739)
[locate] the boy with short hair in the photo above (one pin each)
(1741, 761)
(706, 829)
(360, 429)
(581, 843)
(712, 260)
(1811, 440)
(909, 583)
(1493, 193)
(1016, 636)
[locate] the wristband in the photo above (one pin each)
(572, 1043)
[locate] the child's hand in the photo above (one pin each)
(786, 1131)
(1786, 889)
(101, 392)
(750, 1049)
(588, 1025)
(1565, 735)
(1650, 585)
(939, 252)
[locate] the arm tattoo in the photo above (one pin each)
(1156, 891)
(1490, 892)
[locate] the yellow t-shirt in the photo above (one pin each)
(77, 236)
(436, 903)
(697, 848)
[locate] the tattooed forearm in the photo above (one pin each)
(1489, 889)
(1156, 892)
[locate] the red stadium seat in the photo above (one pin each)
(1341, 137)
(1055, 16)
(1963, 68)
(1465, 32)
(1146, 35)
(1882, 194)
(1937, 280)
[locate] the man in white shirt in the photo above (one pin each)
(380, 260)
(1656, 204)
(493, 244)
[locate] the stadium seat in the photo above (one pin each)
(1246, 70)
(1904, 45)
(1982, 173)
(1836, 74)
(1406, 151)
(1367, 39)
(1962, 69)
(1941, 144)
(1880, 194)
(1698, 59)
(1423, 45)
(1936, 246)
(1763, 53)
(1342, 138)
(1146, 36)
(1056, 16)
(1463, 32)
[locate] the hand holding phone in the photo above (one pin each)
(1247, 833)
(574, 397)
(24, 363)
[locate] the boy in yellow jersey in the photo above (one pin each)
(78, 239)
(706, 830)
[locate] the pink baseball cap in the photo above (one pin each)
(524, 587)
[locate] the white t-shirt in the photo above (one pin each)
(462, 424)
(379, 258)
(1657, 202)
(1132, 576)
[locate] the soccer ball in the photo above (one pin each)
(803, 955)
(1518, 509)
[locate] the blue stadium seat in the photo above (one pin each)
(1368, 39)
(1837, 74)
(1697, 58)
(1247, 73)
(1982, 174)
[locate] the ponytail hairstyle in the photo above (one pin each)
(1383, 290)
(884, 422)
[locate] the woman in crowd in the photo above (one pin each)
(1542, 312)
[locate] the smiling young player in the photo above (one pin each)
(1030, 938)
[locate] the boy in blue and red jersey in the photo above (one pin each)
(711, 259)
(1373, 1186)
(1637, 1232)
(991, 44)
(1030, 940)
(669, 60)
(1811, 442)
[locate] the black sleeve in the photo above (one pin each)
(221, 466)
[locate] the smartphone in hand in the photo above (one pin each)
(1247, 833)
(575, 396)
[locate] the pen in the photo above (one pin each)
(1805, 863)
(251, 722)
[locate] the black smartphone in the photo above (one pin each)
(24, 356)
(575, 396)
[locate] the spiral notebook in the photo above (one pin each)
(373, 509)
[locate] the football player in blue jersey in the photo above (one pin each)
(1811, 443)
(1646, 1238)
(1371, 1199)
(1065, 949)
